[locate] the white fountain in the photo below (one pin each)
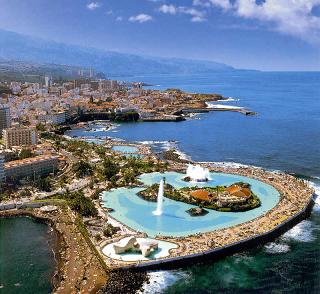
(197, 173)
(158, 211)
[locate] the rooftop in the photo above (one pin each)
(30, 160)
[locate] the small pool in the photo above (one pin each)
(135, 212)
(163, 250)
(95, 141)
(125, 149)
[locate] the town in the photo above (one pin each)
(28, 109)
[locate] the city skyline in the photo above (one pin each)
(264, 35)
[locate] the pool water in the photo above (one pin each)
(163, 251)
(125, 149)
(136, 213)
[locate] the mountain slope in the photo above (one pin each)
(15, 46)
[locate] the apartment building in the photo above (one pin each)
(5, 118)
(19, 137)
(32, 168)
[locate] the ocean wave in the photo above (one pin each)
(316, 188)
(116, 139)
(303, 232)
(182, 155)
(158, 281)
(222, 106)
(229, 99)
(167, 145)
(276, 248)
(316, 197)
(153, 142)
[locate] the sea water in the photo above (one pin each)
(26, 258)
(284, 135)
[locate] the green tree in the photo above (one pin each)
(25, 153)
(40, 127)
(110, 168)
(82, 169)
(79, 203)
(44, 184)
(128, 176)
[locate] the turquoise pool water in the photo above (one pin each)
(125, 149)
(135, 212)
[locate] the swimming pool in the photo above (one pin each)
(125, 148)
(136, 213)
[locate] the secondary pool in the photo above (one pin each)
(163, 250)
(136, 213)
(125, 149)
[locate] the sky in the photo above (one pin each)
(253, 34)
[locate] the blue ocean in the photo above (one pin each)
(284, 135)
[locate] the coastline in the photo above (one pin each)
(71, 252)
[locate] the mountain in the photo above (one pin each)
(23, 71)
(14, 46)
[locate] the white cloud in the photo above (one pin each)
(93, 5)
(292, 17)
(168, 9)
(196, 15)
(141, 18)
(225, 4)
(197, 19)
(119, 18)
(202, 3)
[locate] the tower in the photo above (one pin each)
(48, 81)
(5, 119)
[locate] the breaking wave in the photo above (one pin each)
(158, 281)
(303, 232)
(276, 248)
(230, 99)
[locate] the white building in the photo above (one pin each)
(55, 118)
(48, 81)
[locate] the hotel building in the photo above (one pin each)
(19, 137)
(5, 119)
(32, 168)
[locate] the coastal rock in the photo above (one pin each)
(197, 211)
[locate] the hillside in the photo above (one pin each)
(112, 63)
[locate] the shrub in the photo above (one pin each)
(98, 237)
(44, 184)
(79, 203)
(82, 169)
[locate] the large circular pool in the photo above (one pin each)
(136, 213)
